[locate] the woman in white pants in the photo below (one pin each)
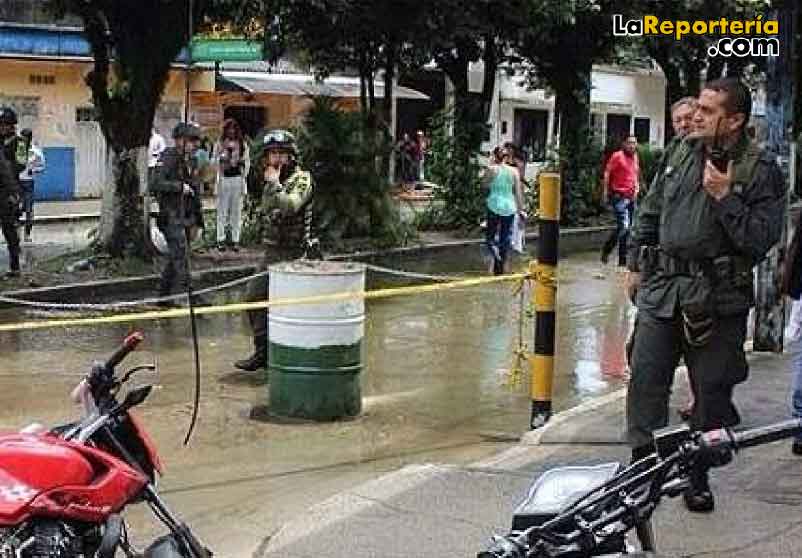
(231, 154)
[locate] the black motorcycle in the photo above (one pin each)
(587, 512)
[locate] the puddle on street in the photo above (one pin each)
(432, 384)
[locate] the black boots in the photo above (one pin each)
(259, 357)
(698, 497)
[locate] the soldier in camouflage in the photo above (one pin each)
(712, 214)
(285, 221)
(175, 184)
(13, 159)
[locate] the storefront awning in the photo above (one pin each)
(304, 86)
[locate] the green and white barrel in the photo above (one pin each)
(315, 350)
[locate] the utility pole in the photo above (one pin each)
(770, 306)
(188, 73)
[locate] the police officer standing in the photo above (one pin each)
(13, 158)
(177, 188)
(711, 215)
(285, 215)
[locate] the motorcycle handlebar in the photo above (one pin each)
(516, 546)
(753, 437)
(129, 344)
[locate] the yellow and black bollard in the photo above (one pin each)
(544, 296)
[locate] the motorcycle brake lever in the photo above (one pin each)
(130, 373)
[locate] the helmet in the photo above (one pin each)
(8, 116)
(186, 130)
(279, 139)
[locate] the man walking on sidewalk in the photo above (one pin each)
(620, 184)
(712, 214)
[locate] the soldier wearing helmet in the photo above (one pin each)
(10, 167)
(285, 220)
(176, 186)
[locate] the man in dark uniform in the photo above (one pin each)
(177, 188)
(10, 168)
(712, 214)
(285, 214)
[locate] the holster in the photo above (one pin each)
(698, 311)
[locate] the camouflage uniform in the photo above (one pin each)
(13, 158)
(285, 215)
(696, 256)
(177, 213)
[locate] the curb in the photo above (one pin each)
(580, 238)
(532, 439)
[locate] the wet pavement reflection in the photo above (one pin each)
(435, 366)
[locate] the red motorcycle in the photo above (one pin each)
(62, 491)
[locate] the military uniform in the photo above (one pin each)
(10, 168)
(696, 256)
(285, 215)
(178, 212)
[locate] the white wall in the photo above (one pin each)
(638, 93)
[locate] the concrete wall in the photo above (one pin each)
(637, 93)
(49, 95)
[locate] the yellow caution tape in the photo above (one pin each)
(241, 307)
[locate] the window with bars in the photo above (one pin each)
(39, 79)
(86, 114)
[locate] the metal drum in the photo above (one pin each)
(315, 350)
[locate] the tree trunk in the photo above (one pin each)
(127, 230)
(573, 100)
(490, 59)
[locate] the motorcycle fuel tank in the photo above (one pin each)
(30, 465)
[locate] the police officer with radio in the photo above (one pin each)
(285, 219)
(712, 214)
(13, 158)
(176, 186)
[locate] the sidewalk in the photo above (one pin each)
(54, 211)
(435, 510)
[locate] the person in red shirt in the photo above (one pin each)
(621, 184)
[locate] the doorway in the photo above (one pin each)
(250, 118)
(530, 132)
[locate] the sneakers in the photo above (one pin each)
(27, 239)
(11, 274)
(235, 247)
(221, 247)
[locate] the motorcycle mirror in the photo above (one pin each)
(136, 397)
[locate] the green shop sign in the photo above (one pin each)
(226, 50)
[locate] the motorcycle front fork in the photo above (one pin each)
(176, 526)
(645, 534)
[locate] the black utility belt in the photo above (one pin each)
(720, 268)
(232, 173)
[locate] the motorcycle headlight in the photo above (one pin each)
(556, 489)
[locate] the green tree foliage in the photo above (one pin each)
(132, 51)
(351, 200)
(559, 47)
(456, 175)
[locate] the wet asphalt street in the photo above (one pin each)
(433, 387)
